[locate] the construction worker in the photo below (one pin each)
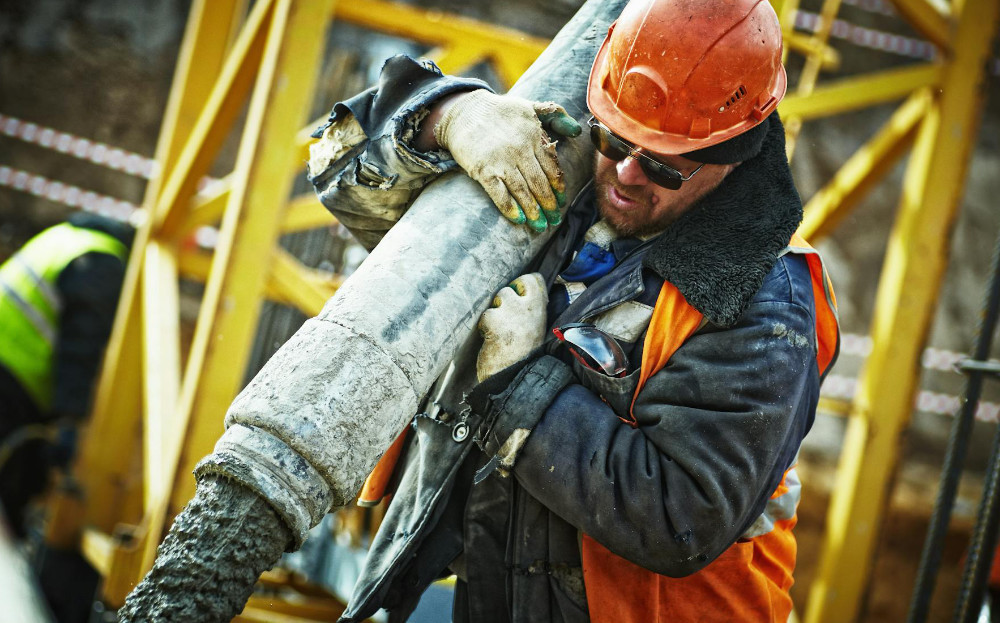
(645, 388)
(58, 296)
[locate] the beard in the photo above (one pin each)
(639, 221)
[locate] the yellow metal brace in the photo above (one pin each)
(865, 169)
(810, 72)
(111, 479)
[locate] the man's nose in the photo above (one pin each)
(630, 173)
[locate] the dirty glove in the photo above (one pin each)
(513, 326)
(500, 142)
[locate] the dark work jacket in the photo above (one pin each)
(89, 287)
(717, 426)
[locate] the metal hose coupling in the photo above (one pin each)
(270, 468)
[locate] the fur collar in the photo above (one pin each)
(718, 252)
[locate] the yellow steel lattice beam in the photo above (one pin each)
(860, 92)
(260, 185)
(303, 212)
(907, 296)
(215, 121)
(866, 168)
(118, 397)
(164, 423)
(932, 18)
(810, 71)
(464, 39)
(206, 208)
(98, 548)
(161, 365)
(289, 282)
(809, 45)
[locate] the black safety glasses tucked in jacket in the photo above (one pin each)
(593, 348)
(617, 149)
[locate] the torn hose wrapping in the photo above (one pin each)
(207, 565)
(340, 390)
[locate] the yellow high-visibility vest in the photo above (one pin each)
(30, 303)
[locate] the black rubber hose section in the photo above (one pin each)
(207, 566)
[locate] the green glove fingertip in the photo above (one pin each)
(560, 198)
(519, 219)
(566, 125)
(554, 217)
(540, 223)
(560, 123)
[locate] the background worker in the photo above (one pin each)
(641, 467)
(58, 296)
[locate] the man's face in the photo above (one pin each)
(635, 206)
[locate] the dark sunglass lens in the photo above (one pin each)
(661, 175)
(616, 149)
(608, 144)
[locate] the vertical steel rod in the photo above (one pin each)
(984, 535)
(958, 445)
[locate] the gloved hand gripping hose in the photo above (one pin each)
(208, 564)
(500, 141)
(513, 326)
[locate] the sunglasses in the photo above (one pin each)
(593, 348)
(617, 149)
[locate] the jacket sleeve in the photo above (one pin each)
(90, 286)
(363, 167)
(717, 427)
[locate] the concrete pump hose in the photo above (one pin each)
(307, 430)
(206, 568)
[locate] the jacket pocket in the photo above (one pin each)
(616, 392)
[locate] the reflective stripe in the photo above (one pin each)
(778, 508)
(45, 328)
(827, 317)
(828, 290)
(45, 289)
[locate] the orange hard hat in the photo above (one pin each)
(675, 76)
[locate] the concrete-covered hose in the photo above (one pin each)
(207, 565)
(311, 425)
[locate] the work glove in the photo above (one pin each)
(514, 325)
(501, 143)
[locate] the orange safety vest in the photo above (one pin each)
(750, 580)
